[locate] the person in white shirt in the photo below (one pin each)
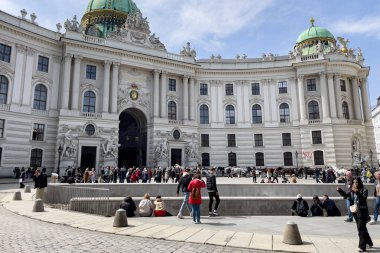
(146, 206)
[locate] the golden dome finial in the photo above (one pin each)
(312, 21)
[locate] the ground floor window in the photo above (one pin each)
(318, 158)
(232, 159)
(36, 158)
(288, 159)
(259, 159)
(205, 159)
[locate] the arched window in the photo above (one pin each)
(346, 113)
(313, 109)
(36, 158)
(205, 159)
(259, 159)
(230, 114)
(284, 113)
(172, 110)
(3, 89)
(257, 116)
(288, 159)
(89, 101)
(90, 130)
(203, 114)
(40, 97)
(318, 158)
(232, 159)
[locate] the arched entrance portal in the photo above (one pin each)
(132, 138)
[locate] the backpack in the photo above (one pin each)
(195, 194)
(301, 209)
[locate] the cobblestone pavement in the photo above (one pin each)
(21, 234)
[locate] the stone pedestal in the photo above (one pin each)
(38, 206)
(17, 196)
(291, 234)
(27, 189)
(120, 219)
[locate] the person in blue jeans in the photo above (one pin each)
(183, 184)
(377, 200)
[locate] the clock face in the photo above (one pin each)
(134, 95)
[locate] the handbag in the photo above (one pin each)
(354, 208)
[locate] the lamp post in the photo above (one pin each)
(371, 154)
(297, 158)
(60, 149)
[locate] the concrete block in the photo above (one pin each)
(17, 196)
(291, 234)
(38, 206)
(27, 189)
(120, 219)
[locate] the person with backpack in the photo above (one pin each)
(212, 193)
(300, 207)
(183, 184)
(195, 198)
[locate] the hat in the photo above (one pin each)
(299, 196)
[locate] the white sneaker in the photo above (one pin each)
(372, 222)
(180, 216)
(216, 213)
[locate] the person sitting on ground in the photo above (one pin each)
(160, 207)
(330, 206)
(300, 207)
(129, 206)
(293, 179)
(316, 208)
(146, 206)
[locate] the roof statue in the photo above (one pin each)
(187, 51)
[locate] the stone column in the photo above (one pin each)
(192, 99)
(355, 94)
(156, 89)
(76, 83)
(330, 84)
(115, 86)
(106, 86)
(293, 93)
(66, 82)
(163, 94)
(338, 96)
(324, 96)
(366, 113)
(56, 77)
(266, 110)
(349, 101)
(28, 76)
(185, 98)
(301, 98)
(19, 70)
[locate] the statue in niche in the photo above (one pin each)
(161, 150)
(191, 150)
(110, 147)
(69, 147)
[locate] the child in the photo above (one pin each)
(160, 209)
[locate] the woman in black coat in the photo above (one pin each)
(358, 196)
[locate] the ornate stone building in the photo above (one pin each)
(107, 92)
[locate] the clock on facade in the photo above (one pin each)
(134, 95)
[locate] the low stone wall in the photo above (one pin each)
(229, 206)
(225, 190)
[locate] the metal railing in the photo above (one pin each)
(80, 199)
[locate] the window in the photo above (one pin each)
(259, 159)
(288, 159)
(36, 158)
(205, 141)
(5, 53)
(3, 89)
(284, 113)
(203, 89)
(172, 110)
(172, 84)
(282, 87)
(176, 135)
(231, 140)
(257, 117)
(318, 158)
(229, 89)
(40, 97)
(89, 101)
(91, 72)
(342, 85)
(345, 111)
(43, 64)
(316, 137)
(258, 140)
(90, 130)
(313, 109)
(311, 85)
(2, 126)
(255, 87)
(231, 159)
(203, 114)
(1, 155)
(286, 139)
(230, 114)
(38, 132)
(205, 159)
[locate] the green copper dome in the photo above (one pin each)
(315, 32)
(102, 16)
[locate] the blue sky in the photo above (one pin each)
(230, 27)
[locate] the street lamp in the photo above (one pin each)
(60, 149)
(297, 158)
(371, 154)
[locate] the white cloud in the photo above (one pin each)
(369, 26)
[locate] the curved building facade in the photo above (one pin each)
(107, 93)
